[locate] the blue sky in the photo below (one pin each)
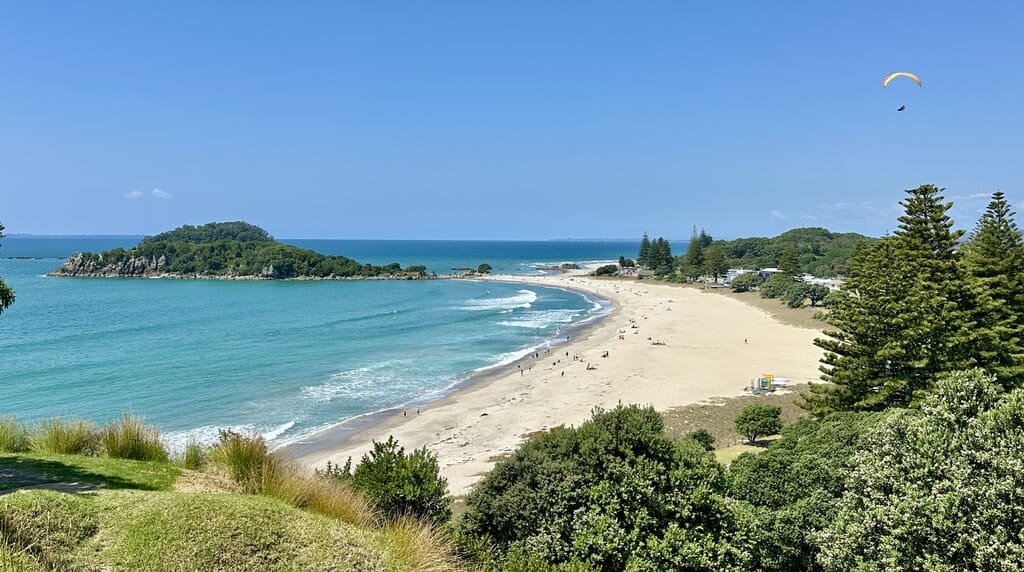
(498, 120)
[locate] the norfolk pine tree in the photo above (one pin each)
(645, 250)
(994, 256)
(6, 294)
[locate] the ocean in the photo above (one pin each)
(283, 359)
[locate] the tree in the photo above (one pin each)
(400, 484)
(910, 312)
(645, 249)
(626, 262)
(704, 239)
(704, 438)
(660, 255)
(788, 261)
(745, 282)
(755, 421)
(936, 488)
(776, 286)
(797, 293)
(816, 293)
(615, 493)
(6, 294)
(483, 268)
(607, 270)
(715, 264)
(693, 260)
(994, 256)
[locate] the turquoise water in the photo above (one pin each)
(280, 358)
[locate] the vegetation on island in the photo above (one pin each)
(231, 249)
(6, 294)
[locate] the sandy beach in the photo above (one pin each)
(666, 346)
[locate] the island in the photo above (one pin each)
(226, 251)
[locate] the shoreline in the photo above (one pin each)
(703, 353)
(330, 438)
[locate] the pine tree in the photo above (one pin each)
(645, 249)
(909, 312)
(866, 351)
(994, 256)
(704, 239)
(693, 260)
(788, 262)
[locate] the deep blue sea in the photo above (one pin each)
(283, 359)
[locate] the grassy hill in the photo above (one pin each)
(88, 511)
(819, 251)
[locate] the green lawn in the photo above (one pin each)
(83, 473)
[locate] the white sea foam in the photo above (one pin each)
(208, 435)
(541, 319)
(522, 299)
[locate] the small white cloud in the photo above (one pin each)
(161, 194)
(808, 217)
(777, 214)
(979, 196)
(133, 195)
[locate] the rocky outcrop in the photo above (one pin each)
(85, 264)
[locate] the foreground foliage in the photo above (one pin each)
(612, 494)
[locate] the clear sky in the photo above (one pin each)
(499, 120)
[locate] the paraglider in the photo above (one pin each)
(892, 76)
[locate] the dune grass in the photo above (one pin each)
(419, 546)
(14, 436)
(130, 438)
(244, 457)
(194, 456)
(61, 437)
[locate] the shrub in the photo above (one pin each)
(797, 294)
(130, 438)
(14, 436)
(745, 282)
(704, 438)
(484, 268)
(776, 286)
(244, 457)
(607, 270)
(66, 437)
(399, 484)
(615, 493)
(194, 457)
(759, 420)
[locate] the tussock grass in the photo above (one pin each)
(194, 457)
(57, 436)
(244, 457)
(420, 546)
(14, 436)
(304, 489)
(130, 438)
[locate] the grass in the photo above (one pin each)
(727, 455)
(28, 470)
(418, 546)
(194, 457)
(14, 436)
(126, 530)
(244, 457)
(62, 437)
(130, 438)
(717, 416)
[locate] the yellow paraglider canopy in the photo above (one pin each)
(893, 76)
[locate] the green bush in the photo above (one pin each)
(776, 286)
(130, 438)
(607, 270)
(484, 268)
(399, 484)
(756, 421)
(615, 493)
(704, 438)
(745, 282)
(14, 436)
(66, 437)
